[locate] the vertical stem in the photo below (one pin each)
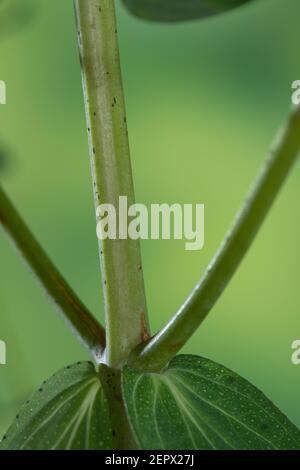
(122, 436)
(120, 260)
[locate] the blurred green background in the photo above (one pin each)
(205, 100)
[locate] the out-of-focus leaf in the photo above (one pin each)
(68, 412)
(180, 10)
(5, 159)
(15, 15)
(198, 404)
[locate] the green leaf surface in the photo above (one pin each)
(68, 412)
(198, 404)
(180, 10)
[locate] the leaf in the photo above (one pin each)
(198, 404)
(68, 412)
(15, 14)
(179, 10)
(5, 159)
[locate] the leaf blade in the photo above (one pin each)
(179, 10)
(198, 404)
(69, 412)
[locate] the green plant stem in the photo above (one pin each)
(86, 328)
(158, 351)
(122, 438)
(120, 260)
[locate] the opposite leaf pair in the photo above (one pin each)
(193, 404)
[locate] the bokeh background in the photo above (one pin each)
(205, 100)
